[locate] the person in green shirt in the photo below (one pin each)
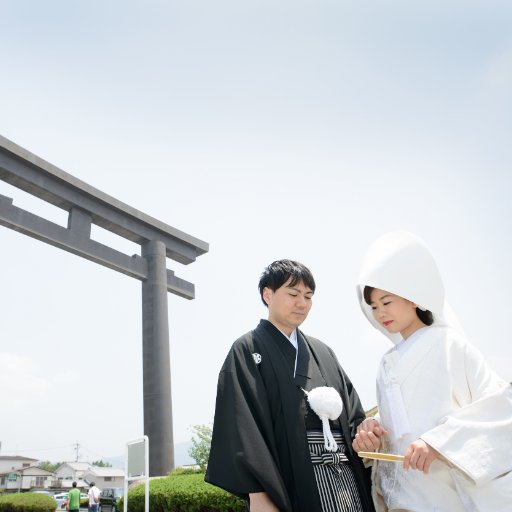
(74, 499)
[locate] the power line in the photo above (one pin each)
(93, 453)
(4, 449)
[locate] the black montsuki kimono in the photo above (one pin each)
(259, 439)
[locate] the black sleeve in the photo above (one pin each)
(242, 456)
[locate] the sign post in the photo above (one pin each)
(137, 468)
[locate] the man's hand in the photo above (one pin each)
(260, 502)
(368, 436)
(420, 456)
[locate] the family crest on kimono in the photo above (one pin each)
(439, 403)
(268, 445)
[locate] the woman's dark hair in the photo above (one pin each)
(425, 316)
(367, 294)
(279, 272)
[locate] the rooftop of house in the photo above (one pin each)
(101, 472)
(27, 469)
(15, 457)
(76, 466)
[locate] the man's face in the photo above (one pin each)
(288, 306)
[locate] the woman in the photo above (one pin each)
(439, 403)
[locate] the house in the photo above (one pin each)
(10, 462)
(25, 479)
(105, 477)
(69, 472)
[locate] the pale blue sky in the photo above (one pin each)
(268, 129)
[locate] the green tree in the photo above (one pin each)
(101, 464)
(201, 443)
(48, 466)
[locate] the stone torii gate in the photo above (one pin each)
(86, 206)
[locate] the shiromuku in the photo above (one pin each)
(441, 405)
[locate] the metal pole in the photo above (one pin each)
(156, 361)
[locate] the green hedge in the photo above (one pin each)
(182, 492)
(27, 502)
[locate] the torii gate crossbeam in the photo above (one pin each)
(86, 206)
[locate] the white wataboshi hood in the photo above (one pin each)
(401, 263)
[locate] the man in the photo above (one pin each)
(267, 445)
(73, 503)
(94, 497)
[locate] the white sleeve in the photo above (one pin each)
(477, 437)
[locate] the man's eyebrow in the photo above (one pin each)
(299, 291)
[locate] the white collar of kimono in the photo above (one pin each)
(292, 338)
(403, 346)
(293, 341)
(401, 263)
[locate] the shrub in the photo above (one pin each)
(181, 492)
(201, 444)
(186, 471)
(27, 502)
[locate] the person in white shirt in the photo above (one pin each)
(94, 498)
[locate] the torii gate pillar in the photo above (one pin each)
(156, 360)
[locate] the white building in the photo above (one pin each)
(69, 472)
(10, 462)
(25, 479)
(18, 474)
(105, 477)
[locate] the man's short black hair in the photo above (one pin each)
(74, 484)
(281, 271)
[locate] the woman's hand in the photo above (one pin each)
(368, 436)
(372, 425)
(260, 502)
(420, 456)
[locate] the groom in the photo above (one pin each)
(267, 444)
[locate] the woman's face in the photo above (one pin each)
(395, 313)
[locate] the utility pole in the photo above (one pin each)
(76, 451)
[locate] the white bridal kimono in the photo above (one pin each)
(436, 386)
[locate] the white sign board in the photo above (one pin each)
(137, 468)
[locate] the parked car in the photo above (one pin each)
(109, 499)
(60, 498)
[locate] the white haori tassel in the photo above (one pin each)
(326, 403)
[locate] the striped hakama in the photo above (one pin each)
(334, 474)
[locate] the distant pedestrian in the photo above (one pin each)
(73, 503)
(94, 498)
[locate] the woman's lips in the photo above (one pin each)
(387, 322)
